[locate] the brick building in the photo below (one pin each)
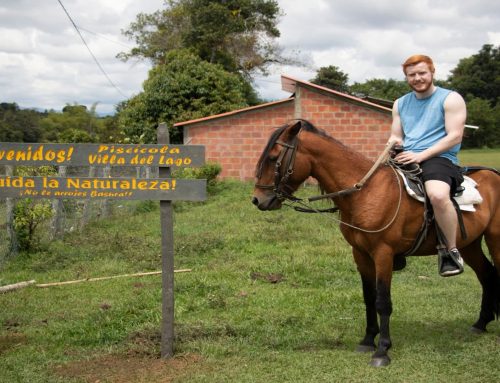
(236, 139)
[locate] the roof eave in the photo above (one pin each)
(289, 84)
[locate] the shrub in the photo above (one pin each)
(210, 171)
(29, 214)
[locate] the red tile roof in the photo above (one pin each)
(233, 112)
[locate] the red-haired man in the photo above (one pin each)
(429, 123)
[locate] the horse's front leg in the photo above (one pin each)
(383, 304)
(366, 269)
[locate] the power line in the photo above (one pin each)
(90, 51)
(104, 37)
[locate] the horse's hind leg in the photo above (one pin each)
(492, 237)
(487, 276)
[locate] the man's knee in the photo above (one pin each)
(438, 193)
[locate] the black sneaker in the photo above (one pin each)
(451, 263)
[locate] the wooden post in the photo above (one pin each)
(87, 204)
(58, 218)
(105, 203)
(167, 259)
(10, 206)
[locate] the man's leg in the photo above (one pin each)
(447, 220)
(444, 211)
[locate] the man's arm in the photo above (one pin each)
(396, 128)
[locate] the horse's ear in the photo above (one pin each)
(295, 128)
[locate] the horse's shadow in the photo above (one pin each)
(440, 336)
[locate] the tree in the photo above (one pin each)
(78, 124)
(19, 125)
(332, 77)
(478, 75)
(380, 88)
(238, 34)
(480, 113)
(184, 88)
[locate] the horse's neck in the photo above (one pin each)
(336, 166)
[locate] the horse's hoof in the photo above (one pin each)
(380, 361)
(365, 348)
(476, 330)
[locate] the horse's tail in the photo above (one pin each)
(496, 304)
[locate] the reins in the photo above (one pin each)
(280, 183)
(308, 209)
(359, 185)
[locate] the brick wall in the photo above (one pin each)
(363, 128)
(236, 140)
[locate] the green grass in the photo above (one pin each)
(485, 157)
(231, 323)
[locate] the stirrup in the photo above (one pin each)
(450, 263)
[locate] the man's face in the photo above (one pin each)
(419, 77)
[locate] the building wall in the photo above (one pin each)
(363, 128)
(236, 141)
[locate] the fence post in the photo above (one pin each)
(10, 204)
(167, 259)
(106, 173)
(87, 204)
(58, 219)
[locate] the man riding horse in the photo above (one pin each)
(429, 123)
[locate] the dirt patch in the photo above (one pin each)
(130, 369)
(267, 277)
(10, 341)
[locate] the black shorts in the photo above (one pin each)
(442, 169)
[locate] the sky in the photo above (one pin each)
(45, 64)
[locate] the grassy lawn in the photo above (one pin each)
(272, 297)
(485, 157)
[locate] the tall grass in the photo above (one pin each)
(272, 297)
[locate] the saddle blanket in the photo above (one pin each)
(466, 200)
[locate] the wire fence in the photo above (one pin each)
(68, 215)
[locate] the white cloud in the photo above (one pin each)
(43, 62)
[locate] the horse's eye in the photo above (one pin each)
(273, 158)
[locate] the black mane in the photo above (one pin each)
(265, 154)
(305, 125)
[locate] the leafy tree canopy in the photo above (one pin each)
(380, 88)
(332, 77)
(78, 124)
(19, 125)
(478, 75)
(238, 34)
(184, 88)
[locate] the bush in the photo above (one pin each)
(210, 171)
(29, 214)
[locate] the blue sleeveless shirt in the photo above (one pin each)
(422, 121)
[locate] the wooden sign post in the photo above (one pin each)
(167, 260)
(164, 188)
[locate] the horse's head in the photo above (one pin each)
(280, 171)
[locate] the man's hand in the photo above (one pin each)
(410, 158)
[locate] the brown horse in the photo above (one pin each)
(378, 221)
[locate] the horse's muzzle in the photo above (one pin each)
(270, 203)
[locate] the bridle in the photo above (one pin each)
(283, 170)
